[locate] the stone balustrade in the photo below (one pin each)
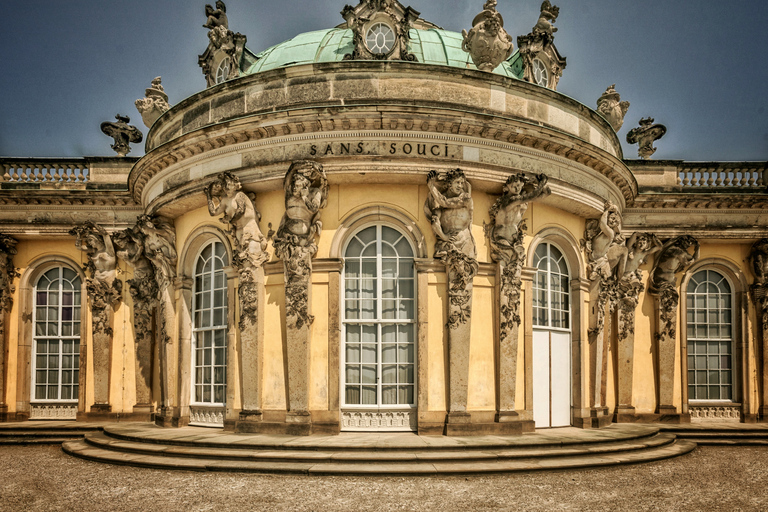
(700, 177)
(44, 170)
(65, 172)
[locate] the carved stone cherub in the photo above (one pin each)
(645, 135)
(507, 212)
(487, 43)
(673, 258)
(612, 108)
(225, 196)
(758, 258)
(605, 245)
(122, 133)
(450, 209)
(216, 17)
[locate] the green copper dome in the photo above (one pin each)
(430, 46)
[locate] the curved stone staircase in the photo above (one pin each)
(201, 449)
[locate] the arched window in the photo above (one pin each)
(379, 355)
(56, 337)
(710, 337)
(551, 302)
(209, 327)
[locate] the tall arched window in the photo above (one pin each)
(551, 338)
(56, 338)
(209, 330)
(379, 355)
(710, 337)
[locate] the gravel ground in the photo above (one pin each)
(35, 478)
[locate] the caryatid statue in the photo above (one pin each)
(306, 193)
(487, 43)
(8, 273)
(645, 135)
(153, 104)
(129, 246)
(104, 293)
(225, 196)
(122, 133)
(612, 108)
(505, 234)
(450, 208)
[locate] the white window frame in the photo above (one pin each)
(691, 338)
(378, 321)
(212, 328)
(549, 291)
(75, 339)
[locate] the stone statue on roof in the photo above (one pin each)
(612, 108)
(645, 135)
(216, 17)
(153, 104)
(122, 133)
(487, 42)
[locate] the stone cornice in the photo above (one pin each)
(509, 135)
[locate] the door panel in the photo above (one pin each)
(560, 392)
(541, 379)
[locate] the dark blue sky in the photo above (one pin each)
(699, 67)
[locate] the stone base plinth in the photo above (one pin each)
(599, 417)
(4, 413)
(464, 424)
(762, 415)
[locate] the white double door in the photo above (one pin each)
(551, 378)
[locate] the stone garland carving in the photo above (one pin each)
(159, 237)
(220, 39)
(153, 104)
(8, 273)
(673, 258)
(540, 40)
(487, 43)
(758, 260)
(104, 289)
(122, 133)
(630, 286)
(225, 196)
(306, 193)
(645, 135)
(359, 19)
(612, 108)
(449, 207)
(505, 233)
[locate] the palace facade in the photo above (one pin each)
(383, 226)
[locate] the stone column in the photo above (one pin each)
(7, 275)
(459, 329)
(306, 193)
(672, 259)
(235, 370)
(104, 294)
(758, 259)
(129, 246)
(666, 336)
(251, 330)
(509, 283)
(598, 351)
(158, 237)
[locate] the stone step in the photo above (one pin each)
(726, 441)
(356, 442)
(9, 441)
(235, 452)
(85, 450)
